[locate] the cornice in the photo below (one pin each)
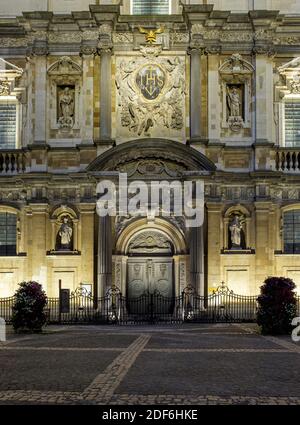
(259, 31)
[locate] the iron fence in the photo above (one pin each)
(222, 306)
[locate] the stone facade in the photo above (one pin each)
(215, 112)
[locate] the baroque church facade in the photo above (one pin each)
(162, 91)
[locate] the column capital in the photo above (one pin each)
(266, 50)
(88, 50)
(196, 48)
(40, 50)
(105, 48)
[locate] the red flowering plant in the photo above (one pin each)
(28, 308)
(276, 306)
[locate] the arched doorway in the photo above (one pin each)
(151, 258)
(150, 264)
(149, 160)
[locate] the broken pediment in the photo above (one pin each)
(65, 66)
(8, 75)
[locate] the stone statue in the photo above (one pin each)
(66, 108)
(234, 102)
(65, 235)
(235, 228)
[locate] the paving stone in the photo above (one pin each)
(194, 364)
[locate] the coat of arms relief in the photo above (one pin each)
(150, 94)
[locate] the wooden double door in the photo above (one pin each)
(150, 275)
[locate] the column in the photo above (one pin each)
(40, 115)
(213, 245)
(197, 259)
(104, 269)
(263, 249)
(88, 95)
(214, 104)
(264, 99)
(105, 93)
(84, 230)
(37, 244)
(195, 94)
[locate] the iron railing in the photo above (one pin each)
(222, 306)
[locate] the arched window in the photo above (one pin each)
(8, 233)
(291, 231)
(150, 7)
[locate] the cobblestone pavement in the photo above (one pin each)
(188, 364)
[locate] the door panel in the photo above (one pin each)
(137, 278)
(150, 275)
(163, 277)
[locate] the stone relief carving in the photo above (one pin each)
(150, 242)
(4, 88)
(232, 193)
(151, 167)
(15, 42)
(10, 76)
(122, 37)
(150, 94)
(229, 35)
(179, 37)
(287, 40)
(64, 37)
(65, 65)
(295, 84)
(90, 35)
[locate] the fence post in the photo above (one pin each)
(2, 330)
(182, 305)
(59, 295)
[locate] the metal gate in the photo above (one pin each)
(222, 306)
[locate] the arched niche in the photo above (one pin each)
(69, 215)
(244, 217)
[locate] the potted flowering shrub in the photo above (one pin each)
(28, 308)
(276, 306)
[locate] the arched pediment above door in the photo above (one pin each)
(154, 157)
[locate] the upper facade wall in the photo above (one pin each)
(16, 7)
(222, 80)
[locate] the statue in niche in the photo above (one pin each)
(237, 237)
(64, 240)
(66, 108)
(234, 101)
